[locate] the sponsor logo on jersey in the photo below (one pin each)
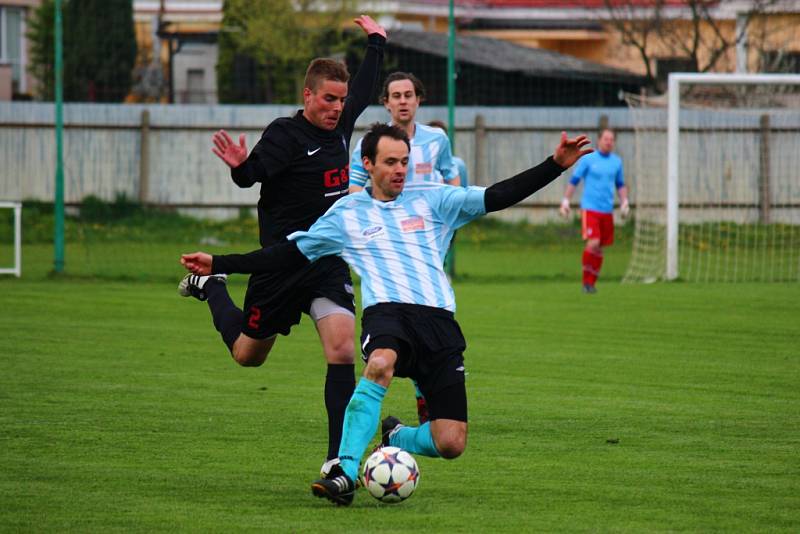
(311, 152)
(413, 224)
(423, 168)
(372, 231)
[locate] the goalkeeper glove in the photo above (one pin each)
(564, 209)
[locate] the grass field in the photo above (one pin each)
(664, 407)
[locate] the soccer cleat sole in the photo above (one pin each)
(339, 500)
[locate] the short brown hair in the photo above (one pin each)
(419, 89)
(369, 144)
(322, 69)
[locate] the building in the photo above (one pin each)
(15, 78)
(178, 50)
(592, 30)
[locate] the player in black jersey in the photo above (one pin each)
(301, 163)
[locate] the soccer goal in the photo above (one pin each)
(716, 182)
(16, 269)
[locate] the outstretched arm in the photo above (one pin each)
(281, 257)
(508, 192)
(362, 86)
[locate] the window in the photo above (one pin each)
(195, 86)
(12, 46)
(781, 62)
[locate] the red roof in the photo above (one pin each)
(585, 4)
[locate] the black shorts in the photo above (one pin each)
(275, 301)
(430, 349)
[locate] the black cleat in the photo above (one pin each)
(340, 490)
(388, 426)
(193, 285)
(589, 289)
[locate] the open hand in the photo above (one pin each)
(228, 151)
(197, 262)
(571, 150)
(370, 26)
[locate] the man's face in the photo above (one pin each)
(323, 106)
(402, 101)
(388, 173)
(606, 142)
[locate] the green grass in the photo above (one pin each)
(664, 407)
(668, 407)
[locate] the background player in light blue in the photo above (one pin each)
(601, 173)
(431, 158)
(396, 241)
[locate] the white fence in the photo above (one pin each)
(162, 154)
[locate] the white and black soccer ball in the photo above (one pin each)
(390, 474)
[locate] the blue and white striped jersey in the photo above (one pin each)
(396, 247)
(430, 161)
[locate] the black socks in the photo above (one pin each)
(227, 317)
(339, 385)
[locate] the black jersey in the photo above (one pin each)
(303, 169)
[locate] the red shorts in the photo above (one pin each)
(596, 225)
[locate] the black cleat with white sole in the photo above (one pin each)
(340, 490)
(193, 285)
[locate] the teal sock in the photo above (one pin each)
(360, 423)
(416, 440)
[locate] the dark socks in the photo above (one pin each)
(339, 385)
(227, 317)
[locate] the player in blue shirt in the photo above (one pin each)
(601, 173)
(431, 158)
(396, 242)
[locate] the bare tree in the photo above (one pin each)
(659, 28)
(638, 27)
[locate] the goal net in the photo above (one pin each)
(716, 182)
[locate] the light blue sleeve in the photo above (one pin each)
(462, 171)
(444, 161)
(457, 206)
(358, 175)
(324, 238)
(579, 172)
(619, 180)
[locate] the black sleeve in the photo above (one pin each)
(246, 174)
(362, 86)
(284, 256)
(270, 156)
(508, 192)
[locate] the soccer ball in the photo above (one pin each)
(390, 474)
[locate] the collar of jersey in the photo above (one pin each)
(389, 204)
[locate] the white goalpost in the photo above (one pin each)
(16, 269)
(717, 195)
